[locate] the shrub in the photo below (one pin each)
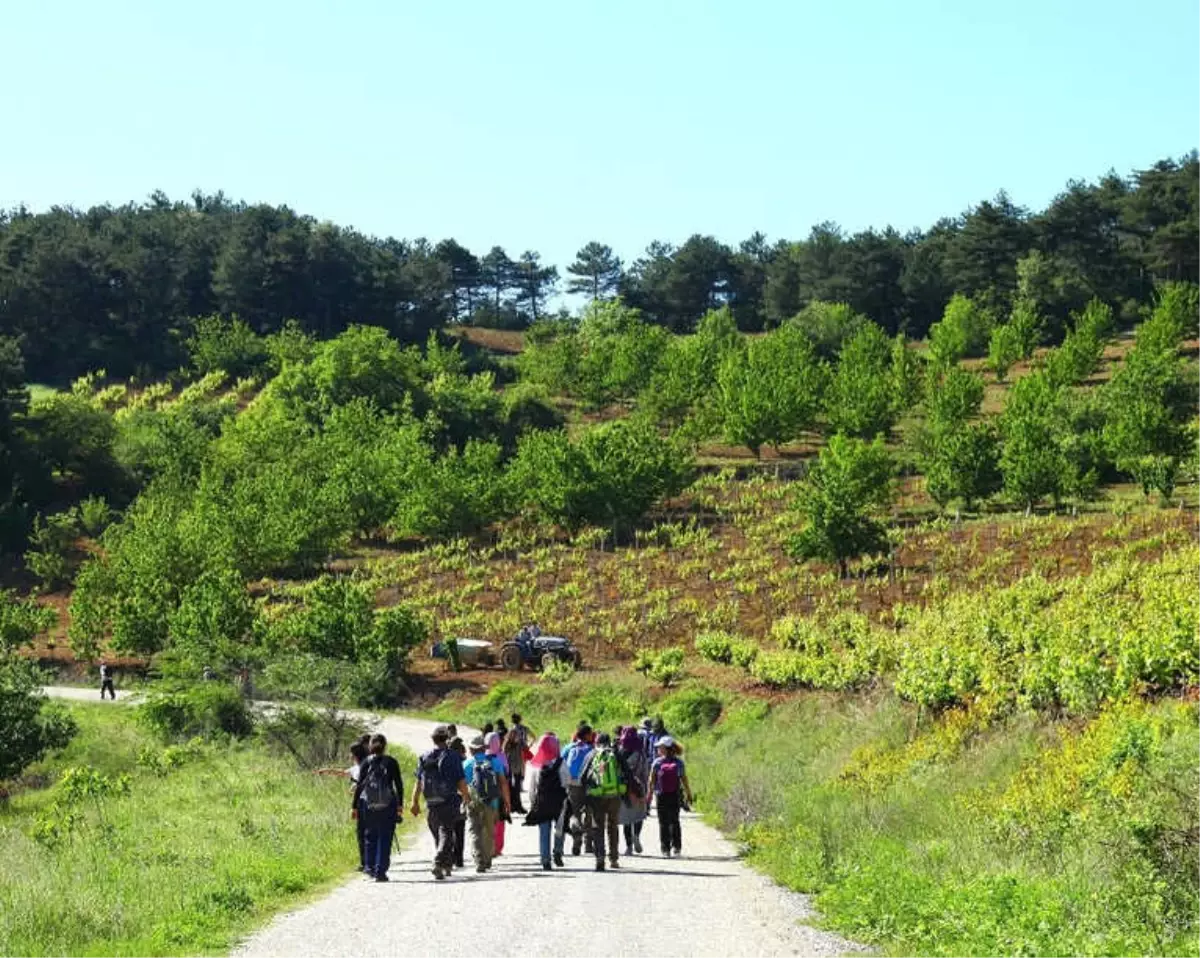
(94, 515)
(665, 667)
(205, 709)
(715, 646)
(691, 709)
(963, 330)
(226, 345)
(557, 672)
(51, 542)
(32, 724)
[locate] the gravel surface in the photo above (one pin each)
(705, 904)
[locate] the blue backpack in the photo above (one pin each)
(577, 754)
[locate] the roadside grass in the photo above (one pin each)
(926, 835)
(209, 841)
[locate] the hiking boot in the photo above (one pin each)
(380, 878)
(438, 872)
(599, 866)
(546, 866)
(628, 851)
(637, 845)
(575, 851)
(666, 853)
(613, 864)
(558, 861)
(480, 869)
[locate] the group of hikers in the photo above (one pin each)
(598, 789)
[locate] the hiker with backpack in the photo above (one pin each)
(441, 780)
(493, 749)
(605, 780)
(516, 752)
(577, 815)
(377, 803)
(548, 798)
(488, 797)
(633, 805)
(460, 822)
(669, 783)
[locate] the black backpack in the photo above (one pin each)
(436, 786)
(377, 789)
(485, 783)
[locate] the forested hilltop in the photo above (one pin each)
(118, 288)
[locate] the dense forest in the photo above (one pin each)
(118, 288)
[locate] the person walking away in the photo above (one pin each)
(516, 752)
(606, 783)
(633, 806)
(358, 755)
(493, 749)
(460, 823)
(106, 682)
(669, 782)
(578, 816)
(440, 779)
(377, 803)
(549, 797)
(489, 795)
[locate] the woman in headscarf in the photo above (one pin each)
(633, 807)
(549, 798)
(493, 741)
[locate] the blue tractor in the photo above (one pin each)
(530, 648)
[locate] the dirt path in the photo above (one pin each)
(706, 903)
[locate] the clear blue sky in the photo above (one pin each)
(546, 124)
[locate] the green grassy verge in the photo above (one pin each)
(209, 840)
(940, 837)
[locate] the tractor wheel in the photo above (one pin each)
(548, 659)
(510, 658)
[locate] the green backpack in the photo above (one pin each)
(604, 778)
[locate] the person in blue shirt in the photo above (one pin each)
(483, 815)
(577, 814)
(440, 779)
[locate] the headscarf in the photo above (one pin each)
(629, 741)
(493, 748)
(545, 751)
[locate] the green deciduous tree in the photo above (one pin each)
(1004, 349)
(770, 390)
(963, 463)
(840, 502)
(610, 476)
(962, 331)
(862, 399)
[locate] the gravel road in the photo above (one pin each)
(706, 903)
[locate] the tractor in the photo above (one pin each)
(530, 647)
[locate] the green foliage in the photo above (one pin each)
(770, 390)
(862, 399)
(963, 463)
(558, 672)
(32, 725)
(1079, 355)
(664, 667)
(211, 625)
(1150, 401)
(964, 330)
(456, 494)
(610, 476)
(691, 709)
(726, 648)
(226, 345)
(51, 542)
(1032, 458)
(1005, 348)
(828, 326)
(848, 485)
(94, 515)
(203, 709)
(79, 792)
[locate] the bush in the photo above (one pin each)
(51, 543)
(691, 709)
(964, 330)
(94, 515)
(206, 709)
(665, 667)
(32, 724)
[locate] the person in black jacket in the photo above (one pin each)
(549, 798)
(377, 802)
